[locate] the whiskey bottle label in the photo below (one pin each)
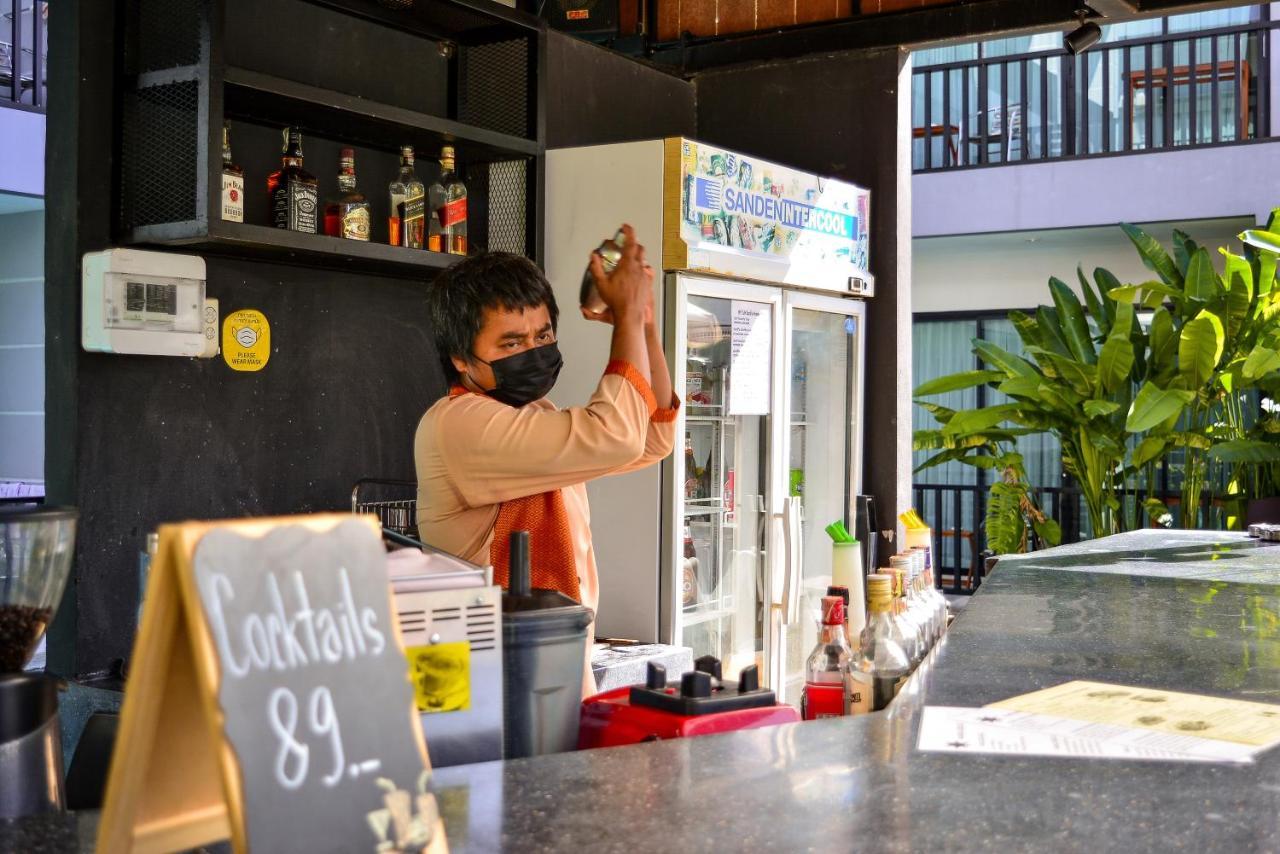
(303, 207)
(452, 213)
(413, 219)
(355, 223)
(232, 198)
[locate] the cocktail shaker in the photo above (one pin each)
(610, 252)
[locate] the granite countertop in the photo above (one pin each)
(1187, 611)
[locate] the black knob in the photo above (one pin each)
(656, 679)
(749, 679)
(708, 664)
(695, 684)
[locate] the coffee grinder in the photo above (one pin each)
(36, 548)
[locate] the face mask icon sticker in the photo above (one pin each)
(246, 340)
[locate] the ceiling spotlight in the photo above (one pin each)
(1084, 36)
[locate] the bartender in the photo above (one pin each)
(495, 456)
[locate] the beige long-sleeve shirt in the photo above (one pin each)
(472, 453)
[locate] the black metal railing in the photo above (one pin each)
(1171, 90)
(23, 45)
(957, 514)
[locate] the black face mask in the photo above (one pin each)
(525, 377)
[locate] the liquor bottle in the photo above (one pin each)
(689, 571)
(232, 182)
(843, 593)
(882, 665)
(691, 480)
(447, 199)
(407, 221)
(932, 593)
(913, 600)
(294, 192)
(347, 215)
(824, 671)
(900, 573)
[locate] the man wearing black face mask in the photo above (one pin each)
(495, 456)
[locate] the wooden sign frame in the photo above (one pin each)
(175, 781)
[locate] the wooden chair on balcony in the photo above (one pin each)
(970, 581)
(1230, 71)
(949, 134)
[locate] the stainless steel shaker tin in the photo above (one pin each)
(610, 252)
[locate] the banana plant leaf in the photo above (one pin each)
(1202, 284)
(1154, 405)
(974, 420)
(1238, 276)
(1183, 248)
(1246, 451)
(1261, 239)
(1116, 360)
(1027, 328)
(956, 382)
(1162, 361)
(1014, 366)
(1149, 294)
(1094, 302)
(1097, 408)
(1153, 255)
(1074, 327)
(1149, 449)
(1051, 331)
(1106, 284)
(1199, 349)
(1260, 362)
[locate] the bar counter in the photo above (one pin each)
(1185, 611)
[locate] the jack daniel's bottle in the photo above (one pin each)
(294, 192)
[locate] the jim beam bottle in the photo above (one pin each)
(824, 677)
(232, 182)
(882, 665)
(407, 221)
(347, 215)
(294, 192)
(447, 200)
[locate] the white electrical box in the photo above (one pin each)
(146, 303)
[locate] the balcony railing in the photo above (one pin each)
(23, 45)
(1166, 91)
(957, 514)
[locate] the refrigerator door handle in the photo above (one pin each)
(797, 586)
(789, 543)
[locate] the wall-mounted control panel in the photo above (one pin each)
(147, 303)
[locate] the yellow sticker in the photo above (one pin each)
(246, 340)
(441, 676)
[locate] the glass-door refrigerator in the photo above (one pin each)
(722, 548)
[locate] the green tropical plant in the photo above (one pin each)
(1120, 396)
(1074, 383)
(1214, 339)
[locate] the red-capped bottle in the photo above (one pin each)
(827, 665)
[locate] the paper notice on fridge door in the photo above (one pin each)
(750, 358)
(947, 729)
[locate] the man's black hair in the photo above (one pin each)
(459, 296)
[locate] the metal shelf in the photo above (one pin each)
(293, 247)
(261, 97)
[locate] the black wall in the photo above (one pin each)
(596, 96)
(138, 441)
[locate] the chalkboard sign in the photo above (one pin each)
(269, 661)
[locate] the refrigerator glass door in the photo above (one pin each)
(823, 404)
(727, 370)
